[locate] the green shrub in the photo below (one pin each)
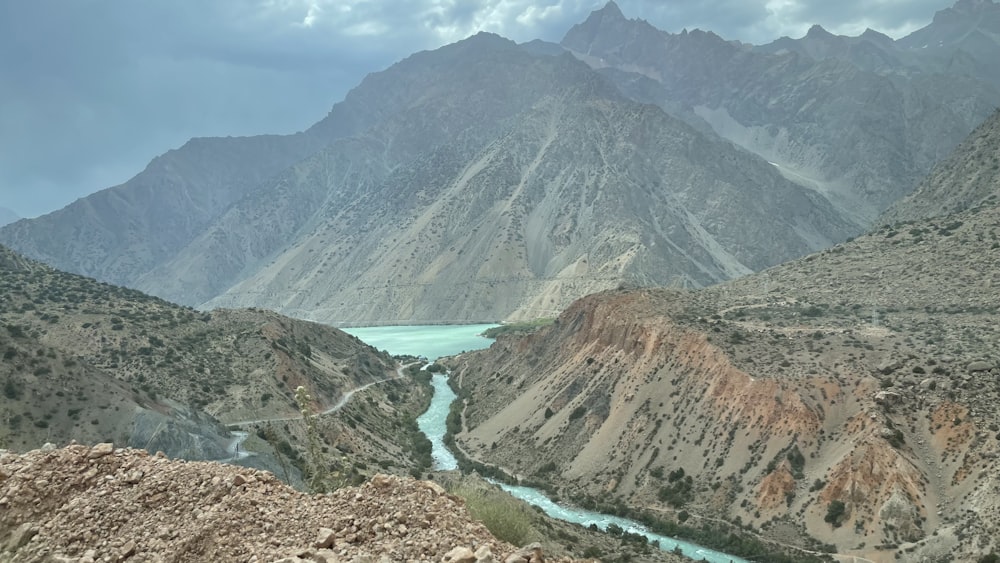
(12, 389)
(504, 516)
(834, 512)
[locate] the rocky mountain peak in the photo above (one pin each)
(818, 32)
(876, 36)
(605, 28)
(610, 11)
(965, 11)
(973, 6)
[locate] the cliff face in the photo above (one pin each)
(780, 395)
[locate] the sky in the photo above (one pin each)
(92, 90)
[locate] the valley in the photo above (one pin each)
(736, 300)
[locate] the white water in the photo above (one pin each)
(452, 339)
(433, 423)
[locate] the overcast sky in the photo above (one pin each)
(91, 90)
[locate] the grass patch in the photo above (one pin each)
(523, 327)
(504, 516)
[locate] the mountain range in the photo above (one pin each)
(487, 180)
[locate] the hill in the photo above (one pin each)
(845, 399)
(92, 362)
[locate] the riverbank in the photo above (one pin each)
(712, 541)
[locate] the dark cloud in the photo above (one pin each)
(91, 90)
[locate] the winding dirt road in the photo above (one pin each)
(240, 436)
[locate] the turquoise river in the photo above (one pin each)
(434, 341)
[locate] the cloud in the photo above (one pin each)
(93, 90)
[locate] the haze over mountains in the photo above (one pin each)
(486, 180)
(7, 216)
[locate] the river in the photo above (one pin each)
(435, 341)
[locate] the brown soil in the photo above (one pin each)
(100, 504)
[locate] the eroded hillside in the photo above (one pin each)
(847, 398)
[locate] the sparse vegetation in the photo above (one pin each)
(522, 327)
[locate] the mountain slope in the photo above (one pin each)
(969, 177)
(583, 191)
(92, 362)
(483, 180)
(856, 136)
(119, 231)
(846, 398)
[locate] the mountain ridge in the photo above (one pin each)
(362, 217)
(759, 100)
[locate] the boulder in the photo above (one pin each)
(980, 365)
(101, 450)
(484, 555)
(889, 366)
(459, 555)
(21, 536)
(325, 538)
(887, 398)
(531, 552)
(438, 490)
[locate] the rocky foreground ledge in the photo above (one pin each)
(86, 504)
